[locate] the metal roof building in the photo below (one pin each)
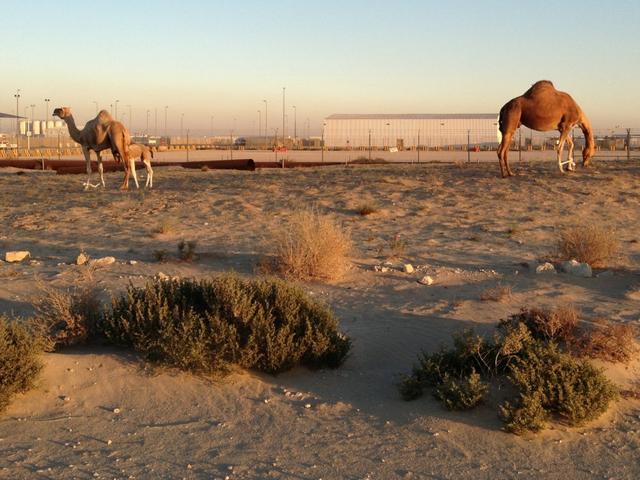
(402, 131)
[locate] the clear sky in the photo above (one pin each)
(222, 58)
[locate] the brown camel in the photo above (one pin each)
(100, 133)
(544, 108)
(137, 150)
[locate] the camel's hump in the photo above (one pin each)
(540, 85)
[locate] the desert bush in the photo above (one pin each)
(547, 382)
(605, 340)
(312, 245)
(187, 250)
(366, 208)
(573, 390)
(210, 325)
(20, 360)
(396, 245)
(589, 243)
(67, 317)
(499, 293)
(160, 255)
(547, 324)
(166, 226)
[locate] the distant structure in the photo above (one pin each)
(405, 131)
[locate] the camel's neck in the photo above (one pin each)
(587, 130)
(76, 134)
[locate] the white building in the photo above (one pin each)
(407, 131)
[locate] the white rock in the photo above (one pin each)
(17, 256)
(102, 262)
(426, 280)
(133, 262)
(408, 268)
(546, 268)
(82, 258)
(575, 268)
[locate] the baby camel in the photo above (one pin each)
(145, 153)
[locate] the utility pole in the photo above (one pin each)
(322, 143)
(259, 123)
(148, 115)
(155, 126)
(369, 145)
(46, 112)
(117, 101)
(468, 146)
(211, 127)
(181, 125)
(295, 125)
(418, 145)
(166, 107)
(265, 123)
(283, 113)
(130, 118)
(17, 95)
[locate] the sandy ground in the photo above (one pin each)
(462, 225)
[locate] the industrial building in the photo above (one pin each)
(429, 131)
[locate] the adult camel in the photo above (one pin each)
(544, 108)
(100, 133)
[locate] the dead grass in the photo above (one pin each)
(365, 209)
(67, 317)
(499, 293)
(558, 324)
(605, 340)
(312, 245)
(589, 243)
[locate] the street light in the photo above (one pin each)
(181, 124)
(17, 96)
(130, 117)
(148, 115)
(324, 124)
(295, 125)
(166, 107)
(283, 110)
(265, 123)
(211, 128)
(46, 112)
(117, 109)
(388, 141)
(259, 123)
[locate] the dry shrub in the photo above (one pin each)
(312, 245)
(605, 340)
(365, 209)
(20, 361)
(166, 226)
(499, 293)
(187, 250)
(67, 317)
(207, 326)
(558, 324)
(589, 243)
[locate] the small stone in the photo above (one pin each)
(577, 269)
(82, 258)
(66, 398)
(109, 442)
(116, 410)
(545, 268)
(16, 256)
(408, 268)
(102, 262)
(426, 280)
(307, 405)
(132, 262)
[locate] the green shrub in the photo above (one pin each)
(574, 390)
(553, 324)
(187, 250)
(19, 359)
(209, 325)
(461, 393)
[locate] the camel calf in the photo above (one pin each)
(145, 153)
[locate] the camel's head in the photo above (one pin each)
(62, 112)
(587, 153)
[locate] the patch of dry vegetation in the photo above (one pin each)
(499, 293)
(20, 361)
(366, 209)
(589, 243)
(605, 340)
(312, 246)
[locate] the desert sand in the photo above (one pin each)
(100, 412)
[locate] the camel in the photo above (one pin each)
(544, 108)
(98, 134)
(145, 153)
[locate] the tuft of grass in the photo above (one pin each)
(589, 243)
(187, 250)
(397, 246)
(208, 326)
(160, 255)
(312, 245)
(20, 362)
(166, 226)
(605, 340)
(499, 293)
(67, 317)
(547, 324)
(366, 209)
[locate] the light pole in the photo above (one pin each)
(155, 125)
(117, 109)
(181, 124)
(148, 115)
(388, 142)
(46, 112)
(17, 96)
(418, 145)
(130, 117)
(324, 124)
(211, 128)
(369, 145)
(259, 123)
(166, 107)
(96, 107)
(283, 113)
(295, 126)
(265, 122)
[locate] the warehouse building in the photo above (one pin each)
(429, 131)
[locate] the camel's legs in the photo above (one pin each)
(564, 134)
(100, 169)
(503, 152)
(87, 159)
(132, 162)
(571, 164)
(149, 182)
(125, 181)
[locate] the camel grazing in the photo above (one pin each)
(100, 133)
(145, 153)
(544, 108)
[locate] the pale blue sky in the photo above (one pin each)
(223, 58)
